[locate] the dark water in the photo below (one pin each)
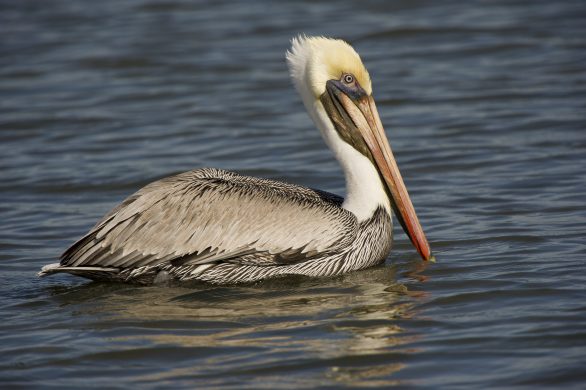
(484, 103)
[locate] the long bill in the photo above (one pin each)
(361, 110)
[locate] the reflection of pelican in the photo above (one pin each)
(221, 227)
(363, 311)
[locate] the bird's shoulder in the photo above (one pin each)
(223, 181)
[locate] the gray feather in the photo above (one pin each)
(210, 215)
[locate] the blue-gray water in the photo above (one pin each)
(484, 103)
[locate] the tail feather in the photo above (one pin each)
(54, 268)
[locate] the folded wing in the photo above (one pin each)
(210, 215)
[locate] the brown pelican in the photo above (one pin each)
(220, 227)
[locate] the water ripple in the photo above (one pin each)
(484, 104)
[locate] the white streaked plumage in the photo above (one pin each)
(221, 227)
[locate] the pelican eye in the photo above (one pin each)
(347, 78)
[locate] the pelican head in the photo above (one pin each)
(337, 92)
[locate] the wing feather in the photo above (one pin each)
(210, 215)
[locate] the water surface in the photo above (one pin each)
(484, 104)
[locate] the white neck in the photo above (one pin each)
(364, 189)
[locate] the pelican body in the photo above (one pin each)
(220, 227)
